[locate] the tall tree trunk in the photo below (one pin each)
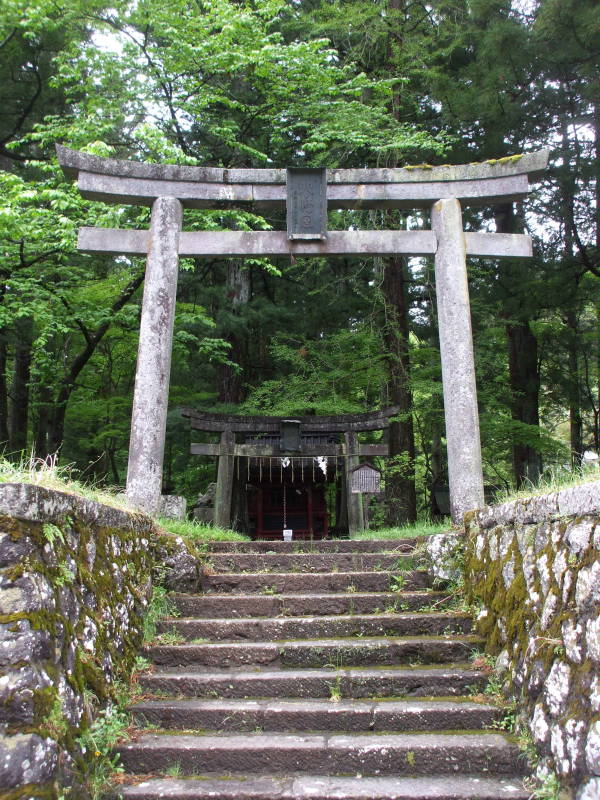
(525, 387)
(3, 390)
(19, 393)
(41, 420)
(437, 470)
(574, 390)
(400, 493)
(597, 158)
(597, 165)
(575, 417)
(596, 405)
(523, 369)
(229, 380)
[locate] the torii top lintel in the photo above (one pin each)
(339, 423)
(130, 182)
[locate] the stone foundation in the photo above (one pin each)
(75, 580)
(534, 565)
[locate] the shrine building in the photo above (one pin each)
(276, 474)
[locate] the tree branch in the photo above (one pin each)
(94, 338)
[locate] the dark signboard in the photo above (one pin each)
(290, 435)
(365, 479)
(306, 203)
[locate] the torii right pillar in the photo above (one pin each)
(465, 471)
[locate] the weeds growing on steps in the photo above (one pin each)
(171, 637)
(335, 690)
(397, 583)
(269, 590)
(174, 770)
(97, 745)
(99, 764)
(548, 788)
(142, 664)
(160, 606)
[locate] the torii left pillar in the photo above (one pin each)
(151, 394)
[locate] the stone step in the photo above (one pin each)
(319, 546)
(318, 582)
(320, 652)
(268, 630)
(316, 715)
(309, 562)
(290, 605)
(259, 682)
(333, 754)
(309, 787)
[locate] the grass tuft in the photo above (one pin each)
(423, 528)
(552, 480)
(97, 744)
(197, 532)
(48, 474)
(160, 606)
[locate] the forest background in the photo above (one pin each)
(336, 83)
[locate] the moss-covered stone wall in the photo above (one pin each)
(75, 579)
(534, 566)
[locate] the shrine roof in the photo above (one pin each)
(310, 423)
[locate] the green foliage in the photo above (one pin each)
(160, 606)
(174, 770)
(269, 590)
(238, 84)
(55, 724)
(97, 745)
(422, 528)
(51, 533)
(397, 583)
(171, 637)
(49, 474)
(553, 480)
(548, 789)
(142, 664)
(335, 690)
(336, 373)
(65, 575)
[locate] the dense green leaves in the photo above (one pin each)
(277, 82)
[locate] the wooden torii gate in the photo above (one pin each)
(168, 189)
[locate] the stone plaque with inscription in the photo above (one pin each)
(306, 203)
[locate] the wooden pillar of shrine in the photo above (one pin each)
(356, 518)
(224, 488)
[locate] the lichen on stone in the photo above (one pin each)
(536, 574)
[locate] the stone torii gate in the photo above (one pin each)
(168, 189)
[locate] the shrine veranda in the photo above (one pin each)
(307, 195)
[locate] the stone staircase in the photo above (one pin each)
(299, 674)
